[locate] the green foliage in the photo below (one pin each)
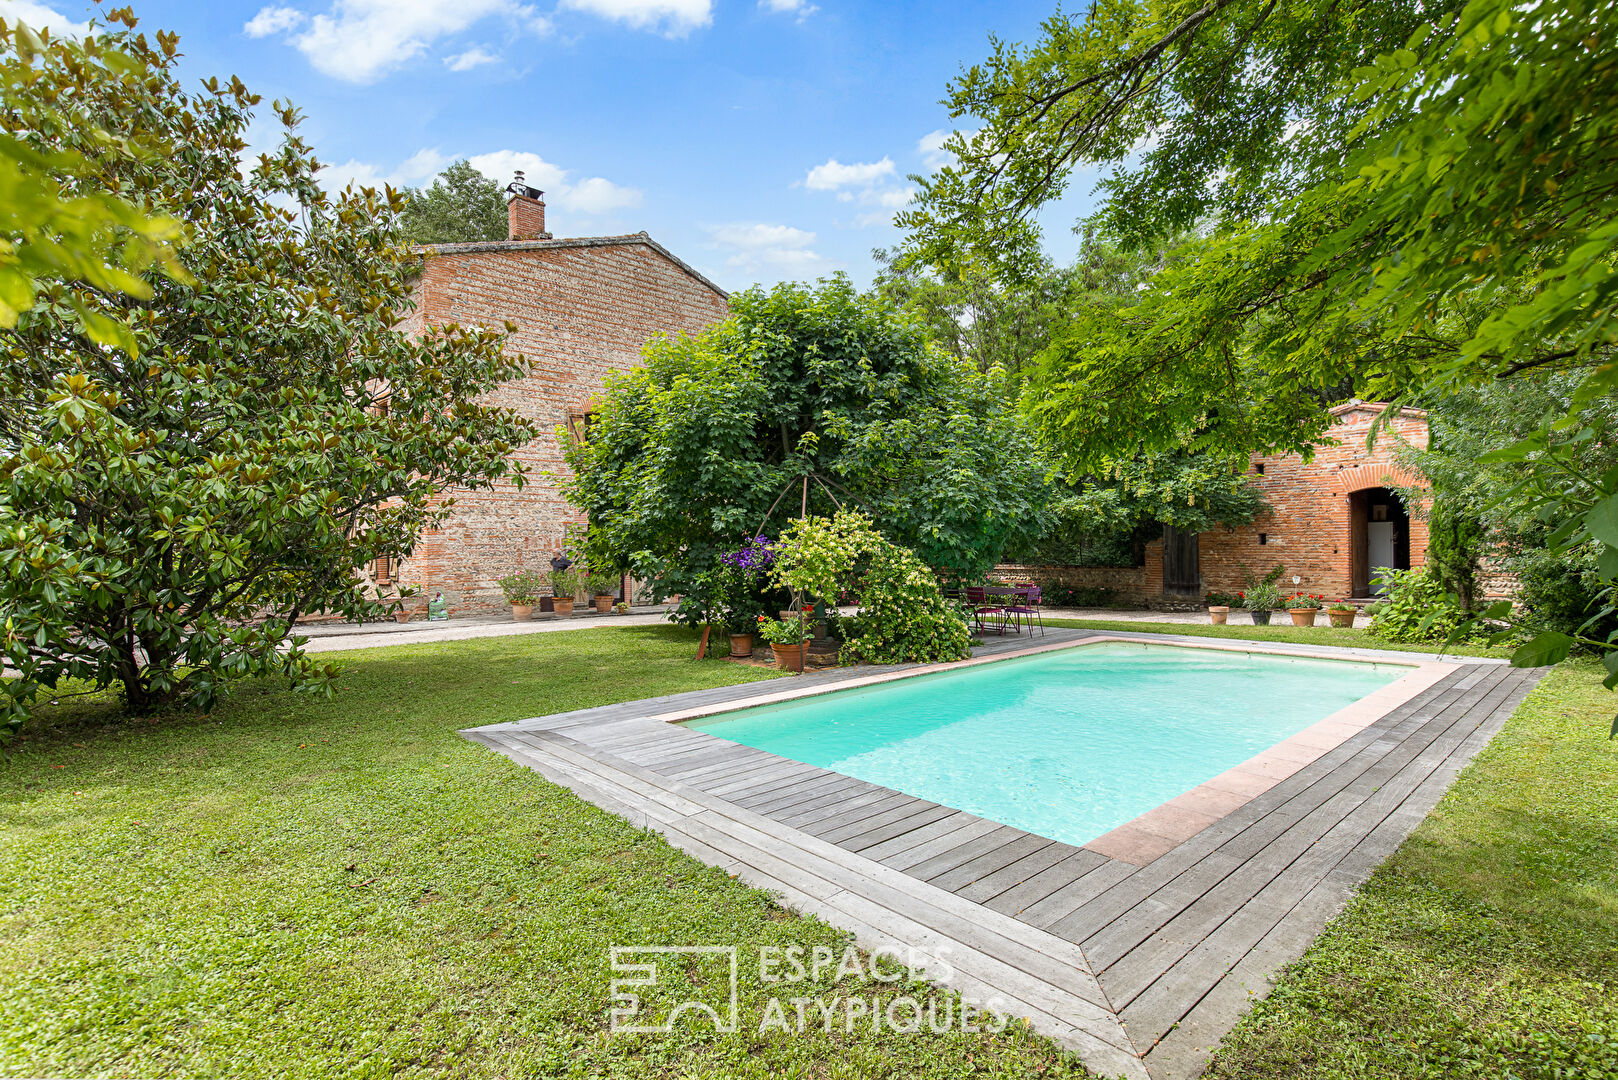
(1213, 112)
(165, 523)
(1415, 607)
(1455, 546)
(710, 441)
(67, 212)
(566, 583)
(1055, 594)
(781, 631)
(461, 205)
(1460, 230)
(523, 588)
(903, 616)
(1261, 593)
(601, 583)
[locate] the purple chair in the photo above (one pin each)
(1027, 604)
(984, 603)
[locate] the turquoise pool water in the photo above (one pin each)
(1068, 744)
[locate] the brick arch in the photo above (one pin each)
(1345, 481)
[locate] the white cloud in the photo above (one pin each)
(415, 171)
(591, 196)
(834, 174)
(471, 58)
(759, 248)
(801, 8)
(362, 40)
(40, 17)
(674, 18)
(273, 20)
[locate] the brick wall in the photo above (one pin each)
(582, 308)
(1128, 583)
(1313, 523)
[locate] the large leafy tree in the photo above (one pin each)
(165, 522)
(718, 434)
(461, 205)
(1464, 231)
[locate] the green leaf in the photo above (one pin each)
(1602, 521)
(1543, 650)
(1610, 662)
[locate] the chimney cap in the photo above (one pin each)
(520, 189)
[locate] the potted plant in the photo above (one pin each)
(1303, 607)
(1218, 607)
(1342, 614)
(564, 583)
(741, 631)
(786, 638)
(621, 608)
(522, 591)
(1261, 598)
(603, 589)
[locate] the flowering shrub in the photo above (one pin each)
(1218, 599)
(733, 593)
(1304, 601)
(903, 616)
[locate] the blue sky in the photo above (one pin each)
(760, 140)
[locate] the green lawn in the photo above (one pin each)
(1299, 635)
(301, 888)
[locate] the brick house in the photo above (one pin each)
(1334, 520)
(582, 307)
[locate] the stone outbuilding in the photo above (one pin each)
(582, 307)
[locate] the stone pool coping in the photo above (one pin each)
(1162, 828)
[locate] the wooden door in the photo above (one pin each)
(1182, 570)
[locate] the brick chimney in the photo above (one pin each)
(525, 212)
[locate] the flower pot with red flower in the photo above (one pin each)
(1303, 607)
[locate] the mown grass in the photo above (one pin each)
(1488, 945)
(294, 888)
(1351, 637)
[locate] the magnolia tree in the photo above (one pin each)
(171, 508)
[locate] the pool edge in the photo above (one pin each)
(1142, 840)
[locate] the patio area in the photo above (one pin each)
(1139, 953)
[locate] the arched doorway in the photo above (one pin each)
(1379, 535)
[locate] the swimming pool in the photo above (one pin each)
(1068, 744)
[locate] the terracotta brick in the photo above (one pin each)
(582, 308)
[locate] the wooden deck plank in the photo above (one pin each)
(958, 877)
(1183, 943)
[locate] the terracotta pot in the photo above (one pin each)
(401, 616)
(604, 603)
(1303, 616)
(788, 657)
(741, 645)
(1342, 619)
(563, 606)
(522, 612)
(1261, 618)
(1218, 615)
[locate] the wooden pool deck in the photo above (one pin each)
(1140, 965)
